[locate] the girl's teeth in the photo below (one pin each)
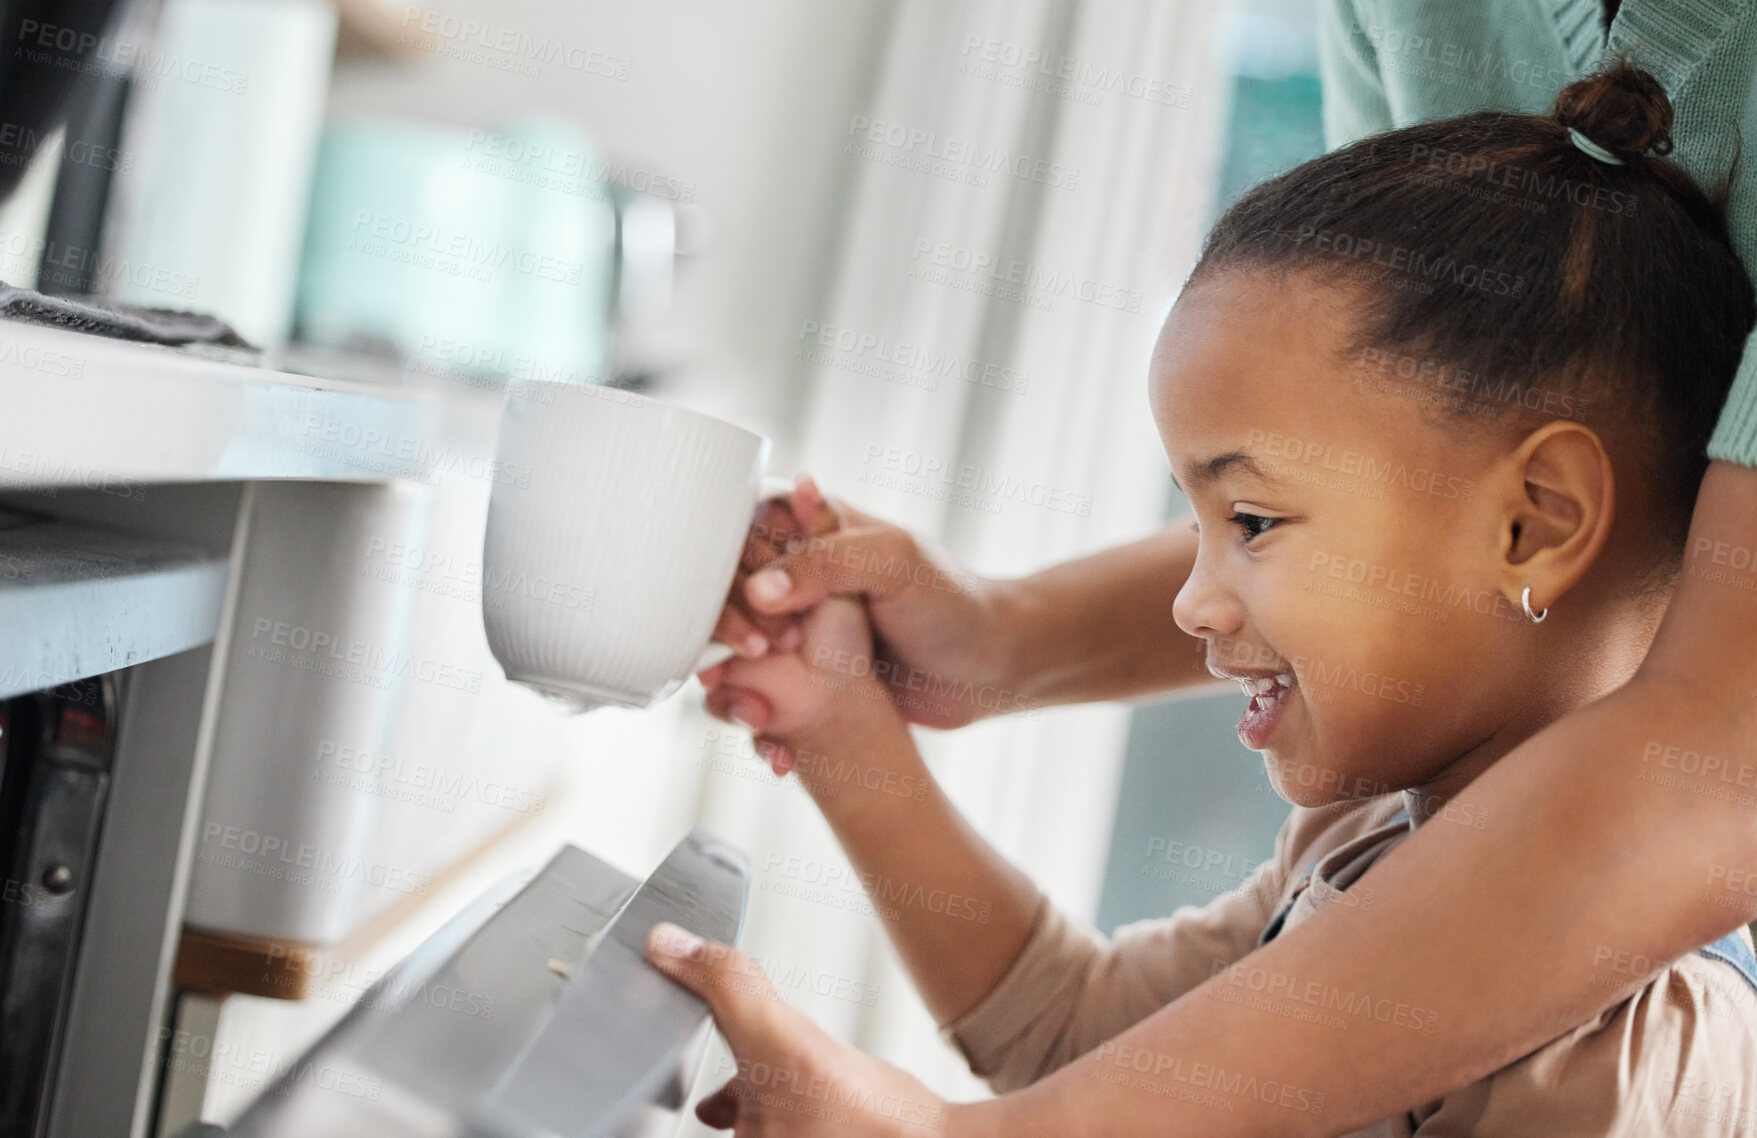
(1263, 685)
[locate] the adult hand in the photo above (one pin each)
(793, 1078)
(941, 648)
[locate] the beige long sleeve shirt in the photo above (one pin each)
(1679, 1057)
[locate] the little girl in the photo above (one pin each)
(1438, 401)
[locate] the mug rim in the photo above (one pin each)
(602, 392)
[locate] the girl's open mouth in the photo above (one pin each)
(1269, 696)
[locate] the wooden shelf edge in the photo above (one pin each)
(369, 29)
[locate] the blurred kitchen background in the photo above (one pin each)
(923, 245)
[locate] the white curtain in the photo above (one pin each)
(1095, 127)
(1074, 145)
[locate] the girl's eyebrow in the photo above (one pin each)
(1206, 473)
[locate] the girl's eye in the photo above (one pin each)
(1253, 525)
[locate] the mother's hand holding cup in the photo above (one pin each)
(937, 626)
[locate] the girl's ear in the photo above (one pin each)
(1560, 503)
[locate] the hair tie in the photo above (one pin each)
(1592, 149)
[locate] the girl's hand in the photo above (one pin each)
(793, 1079)
(778, 524)
(815, 694)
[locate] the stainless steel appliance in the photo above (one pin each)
(533, 1014)
(56, 748)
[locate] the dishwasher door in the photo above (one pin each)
(533, 1014)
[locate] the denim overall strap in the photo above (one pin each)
(1273, 928)
(1732, 949)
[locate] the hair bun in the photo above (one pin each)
(1623, 109)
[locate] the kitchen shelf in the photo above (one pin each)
(88, 412)
(78, 600)
(126, 504)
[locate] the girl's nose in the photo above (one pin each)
(1205, 607)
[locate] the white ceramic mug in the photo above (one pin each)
(614, 531)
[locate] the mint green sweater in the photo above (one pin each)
(1390, 63)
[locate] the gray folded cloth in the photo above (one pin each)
(122, 322)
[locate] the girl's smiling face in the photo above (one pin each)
(1354, 567)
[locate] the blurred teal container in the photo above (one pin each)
(487, 252)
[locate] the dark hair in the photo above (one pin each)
(1498, 258)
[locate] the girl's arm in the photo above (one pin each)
(956, 910)
(1619, 838)
(1021, 988)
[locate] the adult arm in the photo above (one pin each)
(956, 647)
(1355, 103)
